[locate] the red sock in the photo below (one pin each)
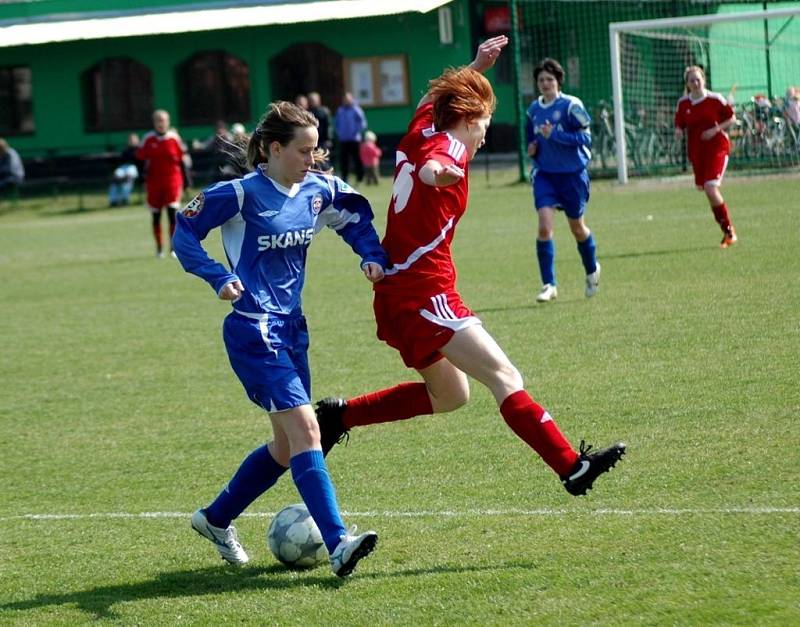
(721, 216)
(400, 402)
(536, 427)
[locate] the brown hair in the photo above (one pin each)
(278, 124)
(460, 94)
(551, 66)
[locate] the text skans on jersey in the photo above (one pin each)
(285, 240)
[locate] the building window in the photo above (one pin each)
(378, 81)
(117, 95)
(16, 102)
(213, 85)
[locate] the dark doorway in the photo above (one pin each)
(306, 67)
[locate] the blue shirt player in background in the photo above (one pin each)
(268, 218)
(559, 142)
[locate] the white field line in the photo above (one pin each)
(468, 513)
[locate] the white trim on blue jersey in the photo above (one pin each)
(266, 230)
(568, 149)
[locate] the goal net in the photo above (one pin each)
(750, 57)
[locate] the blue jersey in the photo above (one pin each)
(568, 149)
(266, 231)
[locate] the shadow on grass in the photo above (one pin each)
(186, 583)
(99, 602)
(657, 253)
(83, 209)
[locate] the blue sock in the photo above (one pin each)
(546, 254)
(313, 482)
(587, 250)
(257, 474)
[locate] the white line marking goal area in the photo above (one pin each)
(467, 513)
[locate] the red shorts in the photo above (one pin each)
(419, 327)
(709, 169)
(164, 195)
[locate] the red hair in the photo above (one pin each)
(460, 94)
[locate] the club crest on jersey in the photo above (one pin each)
(316, 204)
(195, 206)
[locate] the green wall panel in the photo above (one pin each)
(57, 93)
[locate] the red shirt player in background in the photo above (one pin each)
(417, 308)
(162, 149)
(706, 115)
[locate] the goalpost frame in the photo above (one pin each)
(614, 30)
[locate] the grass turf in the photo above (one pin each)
(117, 400)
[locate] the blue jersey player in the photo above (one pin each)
(559, 142)
(268, 219)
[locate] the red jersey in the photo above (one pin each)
(422, 218)
(163, 154)
(697, 116)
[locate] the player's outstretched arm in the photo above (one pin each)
(488, 52)
(485, 58)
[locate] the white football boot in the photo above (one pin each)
(225, 540)
(592, 282)
(350, 550)
(547, 293)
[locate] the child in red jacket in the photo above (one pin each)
(370, 158)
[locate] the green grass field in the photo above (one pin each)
(119, 415)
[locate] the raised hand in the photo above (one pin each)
(488, 52)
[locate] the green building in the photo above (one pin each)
(77, 76)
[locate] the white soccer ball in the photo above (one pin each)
(294, 538)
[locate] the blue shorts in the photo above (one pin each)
(568, 191)
(270, 357)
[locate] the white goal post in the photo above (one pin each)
(646, 28)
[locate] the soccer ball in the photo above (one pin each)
(294, 538)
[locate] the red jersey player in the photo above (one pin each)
(417, 308)
(162, 150)
(705, 116)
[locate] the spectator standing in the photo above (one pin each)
(301, 101)
(217, 146)
(12, 172)
(323, 115)
(212, 143)
(791, 104)
(163, 152)
(370, 158)
(350, 124)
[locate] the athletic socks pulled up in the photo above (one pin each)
(257, 473)
(532, 424)
(588, 252)
(546, 255)
(400, 402)
(314, 484)
(722, 217)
